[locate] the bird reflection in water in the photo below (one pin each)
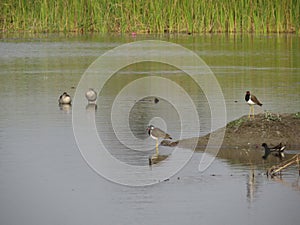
(65, 107)
(91, 107)
(251, 185)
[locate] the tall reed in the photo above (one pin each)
(154, 16)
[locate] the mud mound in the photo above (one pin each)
(269, 128)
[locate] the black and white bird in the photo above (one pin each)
(91, 96)
(277, 151)
(252, 100)
(157, 134)
(65, 98)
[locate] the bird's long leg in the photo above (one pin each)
(252, 110)
(249, 115)
(156, 147)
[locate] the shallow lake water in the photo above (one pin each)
(45, 180)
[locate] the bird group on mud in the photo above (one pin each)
(158, 134)
(251, 100)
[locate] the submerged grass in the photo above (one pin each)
(150, 16)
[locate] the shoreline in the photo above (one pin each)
(247, 134)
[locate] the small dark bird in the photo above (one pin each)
(65, 98)
(277, 151)
(252, 100)
(156, 134)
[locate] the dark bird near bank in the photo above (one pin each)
(277, 151)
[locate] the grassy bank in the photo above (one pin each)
(150, 16)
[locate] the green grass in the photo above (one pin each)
(150, 16)
(297, 115)
(236, 123)
(271, 116)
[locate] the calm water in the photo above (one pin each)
(45, 180)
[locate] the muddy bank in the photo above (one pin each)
(269, 128)
(245, 133)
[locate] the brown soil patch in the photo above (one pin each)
(245, 133)
(251, 133)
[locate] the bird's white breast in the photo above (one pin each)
(153, 137)
(250, 102)
(66, 99)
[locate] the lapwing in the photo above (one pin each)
(251, 100)
(157, 134)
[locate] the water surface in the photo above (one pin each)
(45, 180)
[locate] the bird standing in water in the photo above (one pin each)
(65, 98)
(251, 100)
(91, 95)
(157, 133)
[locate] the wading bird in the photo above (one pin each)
(156, 134)
(251, 100)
